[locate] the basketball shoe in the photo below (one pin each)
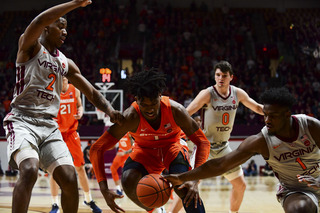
(55, 208)
(93, 206)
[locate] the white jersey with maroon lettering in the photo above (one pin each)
(288, 159)
(219, 115)
(39, 84)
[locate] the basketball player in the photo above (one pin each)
(289, 144)
(125, 147)
(33, 136)
(155, 122)
(70, 112)
(220, 104)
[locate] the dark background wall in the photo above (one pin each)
(12, 5)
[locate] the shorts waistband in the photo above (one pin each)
(41, 116)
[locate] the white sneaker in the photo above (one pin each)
(161, 209)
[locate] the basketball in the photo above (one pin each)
(152, 191)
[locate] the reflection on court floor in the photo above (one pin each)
(259, 196)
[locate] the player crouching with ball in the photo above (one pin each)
(155, 122)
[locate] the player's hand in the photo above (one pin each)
(192, 194)
(173, 178)
(311, 181)
(116, 117)
(83, 3)
(109, 197)
(78, 116)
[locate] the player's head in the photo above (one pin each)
(277, 108)
(56, 33)
(147, 87)
(223, 73)
(224, 67)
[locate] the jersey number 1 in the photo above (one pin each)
(303, 166)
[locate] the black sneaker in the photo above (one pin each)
(55, 209)
(93, 206)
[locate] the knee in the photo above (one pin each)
(29, 171)
(66, 177)
(240, 186)
(300, 206)
(129, 182)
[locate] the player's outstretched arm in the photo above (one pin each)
(93, 95)
(200, 100)
(28, 41)
(252, 145)
(245, 99)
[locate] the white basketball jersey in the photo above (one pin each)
(288, 159)
(219, 115)
(39, 84)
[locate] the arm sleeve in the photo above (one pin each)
(104, 143)
(203, 147)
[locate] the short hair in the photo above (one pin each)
(278, 96)
(147, 83)
(224, 66)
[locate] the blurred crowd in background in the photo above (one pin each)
(266, 48)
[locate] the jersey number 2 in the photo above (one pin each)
(53, 76)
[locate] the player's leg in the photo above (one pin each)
(74, 145)
(23, 156)
(66, 178)
(84, 182)
(54, 188)
(28, 174)
(178, 165)
(300, 203)
(235, 177)
(116, 164)
(56, 159)
(237, 193)
(132, 173)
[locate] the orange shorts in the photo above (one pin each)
(72, 140)
(155, 160)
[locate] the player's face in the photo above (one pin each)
(222, 79)
(276, 118)
(65, 81)
(57, 32)
(150, 108)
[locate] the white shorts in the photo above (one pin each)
(217, 153)
(42, 135)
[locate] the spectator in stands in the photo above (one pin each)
(251, 169)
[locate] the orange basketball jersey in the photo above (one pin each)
(68, 108)
(125, 143)
(168, 132)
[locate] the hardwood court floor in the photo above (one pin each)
(259, 196)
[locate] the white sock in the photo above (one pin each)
(119, 187)
(87, 196)
(55, 200)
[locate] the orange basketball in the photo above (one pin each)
(152, 191)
